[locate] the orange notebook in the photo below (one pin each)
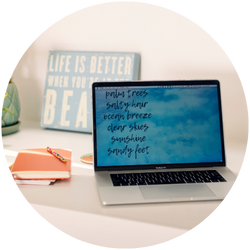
(38, 163)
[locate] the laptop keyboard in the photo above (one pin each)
(178, 177)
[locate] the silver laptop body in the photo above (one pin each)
(159, 141)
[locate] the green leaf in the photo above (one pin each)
(7, 110)
(10, 81)
(6, 95)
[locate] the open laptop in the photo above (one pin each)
(159, 141)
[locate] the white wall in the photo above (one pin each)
(171, 47)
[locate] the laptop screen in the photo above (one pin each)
(157, 125)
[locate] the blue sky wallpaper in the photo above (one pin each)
(137, 126)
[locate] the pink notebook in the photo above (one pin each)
(40, 164)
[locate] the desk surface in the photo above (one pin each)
(74, 207)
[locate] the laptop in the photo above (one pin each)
(159, 141)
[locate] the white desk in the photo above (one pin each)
(74, 207)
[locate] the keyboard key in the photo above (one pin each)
(222, 179)
(132, 184)
(190, 181)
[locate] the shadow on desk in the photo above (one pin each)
(80, 194)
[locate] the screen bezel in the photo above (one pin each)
(156, 83)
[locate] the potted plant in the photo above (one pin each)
(11, 110)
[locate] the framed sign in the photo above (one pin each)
(67, 93)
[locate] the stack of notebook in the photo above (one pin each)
(41, 167)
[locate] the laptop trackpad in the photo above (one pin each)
(176, 191)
